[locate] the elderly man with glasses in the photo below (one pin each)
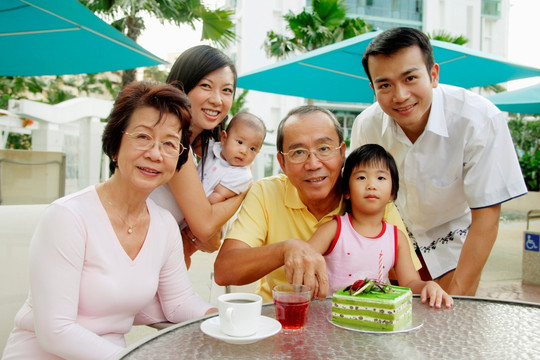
(268, 240)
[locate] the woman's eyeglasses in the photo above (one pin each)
(144, 141)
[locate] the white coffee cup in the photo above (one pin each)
(239, 313)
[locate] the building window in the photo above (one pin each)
(346, 120)
(491, 8)
(384, 14)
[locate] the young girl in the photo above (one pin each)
(360, 244)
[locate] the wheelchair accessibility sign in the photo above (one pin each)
(532, 241)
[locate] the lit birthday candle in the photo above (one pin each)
(380, 267)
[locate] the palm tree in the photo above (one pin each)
(446, 36)
(239, 104)
(326, 24)
(216, 24)
(443, 35)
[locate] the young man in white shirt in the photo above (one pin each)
(454, 153)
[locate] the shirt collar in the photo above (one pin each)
(437, 121)
(387, 120)
(216, 148)
(293, 201)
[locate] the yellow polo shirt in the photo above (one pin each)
(273, 212)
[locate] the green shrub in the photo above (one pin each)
(525, 134)
(530, 166)
(526, 137)
(18, 141)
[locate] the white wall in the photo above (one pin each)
(254, 19)
(463, 17)
(78, 117)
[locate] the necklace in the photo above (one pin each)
(130, 227)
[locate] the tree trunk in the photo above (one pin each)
(127, 77)
(134, 28)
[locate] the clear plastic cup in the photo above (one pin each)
(291, 302)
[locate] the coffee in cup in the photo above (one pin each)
(239, 313)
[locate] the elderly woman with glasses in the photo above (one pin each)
(102, 254)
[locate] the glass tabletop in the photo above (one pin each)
(474, 329)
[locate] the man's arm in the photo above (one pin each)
(480, 239)
(238, 264)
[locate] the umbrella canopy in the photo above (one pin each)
(44, 37)
(335, 72)
(523, 101)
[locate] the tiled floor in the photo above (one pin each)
(501, 278)
(511, 290)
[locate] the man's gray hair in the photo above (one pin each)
(302, 110)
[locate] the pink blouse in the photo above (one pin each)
(85, 290)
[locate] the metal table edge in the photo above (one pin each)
(147, 339)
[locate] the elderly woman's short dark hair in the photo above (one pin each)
(165, 98)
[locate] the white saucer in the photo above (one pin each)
(267, 327)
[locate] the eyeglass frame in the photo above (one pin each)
(334, 151)
(181, 148)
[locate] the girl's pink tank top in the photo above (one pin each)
(352, 256)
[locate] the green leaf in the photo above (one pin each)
(126, 16)
(326, 24)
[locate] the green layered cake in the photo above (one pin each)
(381, 310)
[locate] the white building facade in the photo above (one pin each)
(485, 23)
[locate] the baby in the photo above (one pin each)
(227, 169)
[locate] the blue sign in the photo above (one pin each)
(532, 241)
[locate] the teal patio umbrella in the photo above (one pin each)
(335, 72)
(56, 37)
(523, 101)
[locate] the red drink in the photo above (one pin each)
(291, 311)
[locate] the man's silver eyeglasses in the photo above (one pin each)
(322, 152)
(144, 141)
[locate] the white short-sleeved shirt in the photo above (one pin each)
(217, 171)
(464, 159)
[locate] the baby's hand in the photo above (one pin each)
(436, 295)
